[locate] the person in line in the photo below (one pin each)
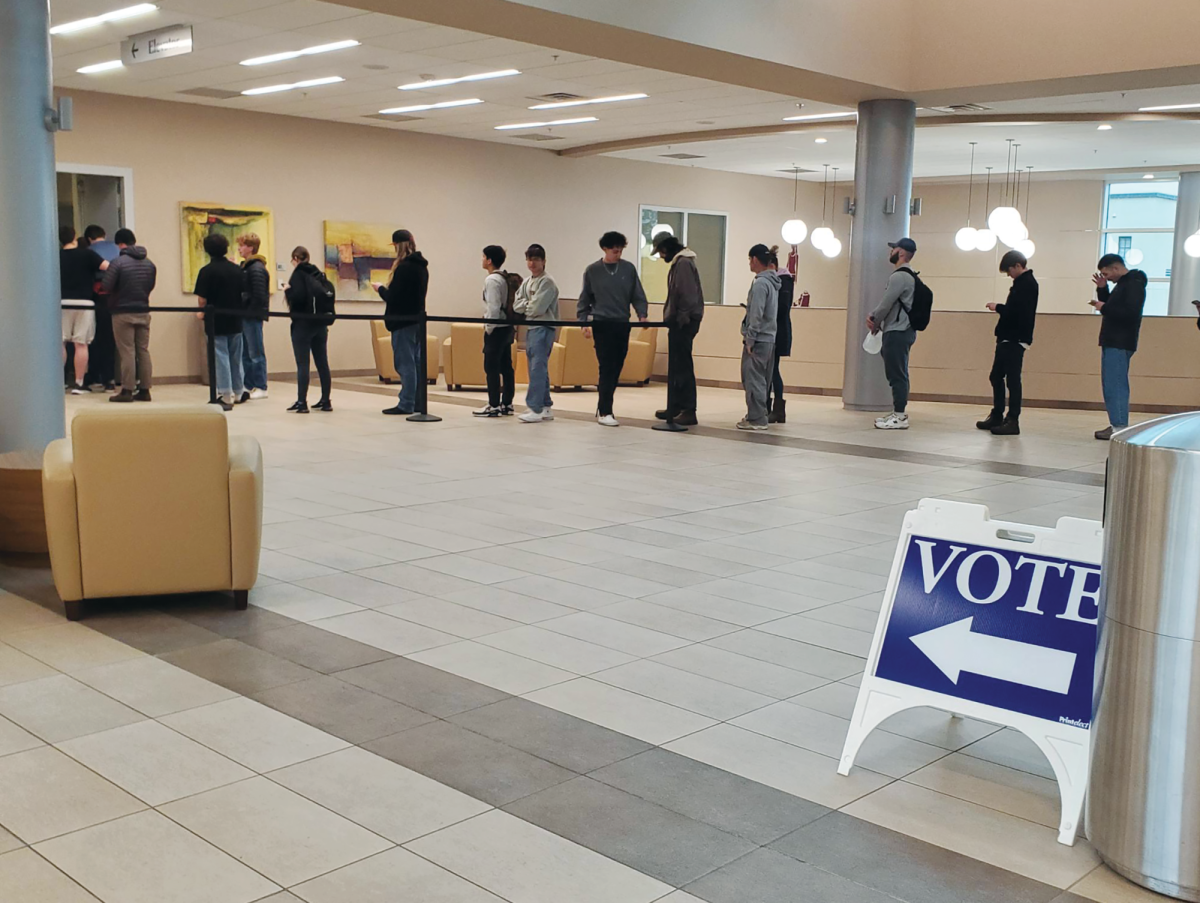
(102, 360)
(219, 286)
(256, 292)
(404, 296)
(610, 287)
(78, 267)
(309, 337)
(497, 339)
(892, 317)
(537, 300)
(128, 282)
(758, 337)
(776, 405)
(1121, 310)
(683, 312)
(1014, 335)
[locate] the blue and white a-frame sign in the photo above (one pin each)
(995, 621)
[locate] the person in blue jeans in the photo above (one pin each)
(1121, 312)
(219, 288)
(537, 299)
(404, 296)
(256, 290)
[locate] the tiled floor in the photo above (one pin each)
(490, 661)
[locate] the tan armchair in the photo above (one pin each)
(639, 363)
(556, 362)
(148, 502)
(381, 344)
(463, 356)
(579, 358)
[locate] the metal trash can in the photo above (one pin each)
(1144, 797)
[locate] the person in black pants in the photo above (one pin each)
(309, 337)
(776, 406)
(497, 340)
(683, 312)
(1014, 334)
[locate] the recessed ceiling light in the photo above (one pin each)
(441, 82)
(292, 54)
(540, 125)
(308, 83)
(813, 116)
(585, 102)
(821, 141)
(1176, 106)
(1104, 128)
(116, 15)
(1148, 175)
(445, 104)
(101, 67)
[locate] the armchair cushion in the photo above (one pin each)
(579, 358)
(464, 355)
(639, 363)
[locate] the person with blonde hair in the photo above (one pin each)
(256, 293)
(404, 296)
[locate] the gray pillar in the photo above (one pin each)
(31, 376)
(1185, 271)
(882, 170)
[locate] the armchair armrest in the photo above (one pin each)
(245, 509)
(62, 519)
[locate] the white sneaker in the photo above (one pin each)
(258, 393)
(487, 411)
(607, 420)
(78, 390)
(892, 421)
(531, 417)
(547, 413)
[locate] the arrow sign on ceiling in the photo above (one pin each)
(954, 649)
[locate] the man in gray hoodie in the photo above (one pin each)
(758, 337)
(683, 312)
(128, 282)
(892, 318)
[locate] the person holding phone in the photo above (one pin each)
(1014, 335)
(1121, 309)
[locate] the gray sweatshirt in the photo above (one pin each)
(537, 299)
(762, 308)
(495, 297)
(892, 313)
(608, 291)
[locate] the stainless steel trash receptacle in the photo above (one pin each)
(1144, 797)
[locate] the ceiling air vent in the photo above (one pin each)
(537, 137)
(557, 97)
(683, 156)
(215, 93)
(392, 117)
(962, 108)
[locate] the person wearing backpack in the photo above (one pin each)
(498, 290)
(893, 317)
(1014, 335)
(309, 292)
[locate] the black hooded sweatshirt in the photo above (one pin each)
(1017, 314)
(404, 295)
(1122, 311)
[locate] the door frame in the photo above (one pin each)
(124, 173)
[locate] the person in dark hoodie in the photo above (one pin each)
(783, 340)
(309, 337)
(1014, 335)
(1121, 310)
(256, 292)
(683, 312)
(758, 337)
(219, 288)
(404, 296)
(128, 282)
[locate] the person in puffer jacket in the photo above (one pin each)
(256, 294)
(128, 282)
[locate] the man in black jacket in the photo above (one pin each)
(1014, 335)
(683, 312)
(1121, 310)
(404, 296)
(256, 292)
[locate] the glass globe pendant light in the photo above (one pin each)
(1005, 217)
(966, 237)
(822, 233)
(795, 230)
(832, 246)
(985, 239)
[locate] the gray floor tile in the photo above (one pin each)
(734, 804)
(422, 687)
(226, 621)
(905, 867)
(151, 631)
(344, 710)
(768, 877)
(238, 667)
(315, 648)
(551, 735)
(1068, 897)
(649, 838)
(466, 761)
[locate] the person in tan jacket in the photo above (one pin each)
(682, 313)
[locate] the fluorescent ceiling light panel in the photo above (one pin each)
(101, 67)
(541, 125)
(309, 83)
(292, 54)
(582, 103)
(1176, 106)
(116, 15)
(445, 104)
(812, 117)
(1104, 128)
(442, 82)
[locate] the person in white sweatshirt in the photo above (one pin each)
(537, 299)
(498, 339)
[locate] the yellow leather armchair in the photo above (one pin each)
(147, 502)
(579, 358)
(381, 344)
(557, 360)
(463, 356)
(639, 363)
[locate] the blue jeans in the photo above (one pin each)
(254, 354)
(538, 345)
(229, 365)
(1114, 377)
(405, 350)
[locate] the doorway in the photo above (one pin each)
(95, 195)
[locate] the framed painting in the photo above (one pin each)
(357, 254)
(200, 220)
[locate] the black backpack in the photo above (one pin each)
(322, 294)
(513, 281)
(922, 303)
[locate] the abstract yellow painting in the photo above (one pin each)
(200, 220)
(357, 254)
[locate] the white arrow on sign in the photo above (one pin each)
(954, 649)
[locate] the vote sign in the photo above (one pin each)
(1007, 629)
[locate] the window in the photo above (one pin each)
(1139, 224)
(702, 231)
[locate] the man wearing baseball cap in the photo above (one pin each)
(891, 318)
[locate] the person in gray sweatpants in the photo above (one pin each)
(758, 337)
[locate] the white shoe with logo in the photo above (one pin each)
(487, 411)
(607, 420)
(547, 413)
(531, 417)
(258, 393)
(892, 421)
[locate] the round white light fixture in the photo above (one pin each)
(1014, 233)
(1104, 128)
(821, 236)
(661, 229)
(794, 231)
(1134, 257)
(821, 141)
(965, 238)
(985, 240)
(1191, 247)
(832, 247)
(1026, 247)
(1148, 175)
(1001, 217)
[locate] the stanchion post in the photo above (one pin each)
(210, 341)
(422, 415)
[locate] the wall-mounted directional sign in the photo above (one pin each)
(156, 45)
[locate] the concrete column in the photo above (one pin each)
(31, 376)
(882, 171)
(1185, 271)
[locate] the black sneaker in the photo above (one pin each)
(661, 415)
(992, 421)
(398, 411)
(299, 408)
(121, 397)
(507, 410)
(142, 395)
(225, 406)
(687, 418)
(244, 398)
(1009, 427)
(323, 405)
(488, 411)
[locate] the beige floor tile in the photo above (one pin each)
(447, 617)
(275, 831)
(153, 687)
(495, 668)
(385, 632)
(1013, 750)
(8, 842)
(17, 667)
(1018, 793)
(44, 793)
(147, 858)
(71, 647)
(153, 762)
(619, 710)
(61, 708)
(15, 739)
(390, 877)
(1106, 886)
(17, 614)
(25, 877)
(565, 652)
(676, 687)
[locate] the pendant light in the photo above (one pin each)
(1005, 216)
(965, 238)
(1026, 245)
(1014, 230)
(795, 230)
(832, 246)
(823, 233)
(985, 239)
